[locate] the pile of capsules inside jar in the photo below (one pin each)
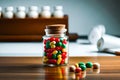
(55, 51)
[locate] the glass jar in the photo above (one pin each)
(55, 44)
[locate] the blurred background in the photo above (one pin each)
(83, 14)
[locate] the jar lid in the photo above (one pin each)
(55, 29)
(56, 26)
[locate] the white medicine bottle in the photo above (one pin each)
(8, 13)
(45, 13)
(20, 12)
(33, 12)
(58, 12)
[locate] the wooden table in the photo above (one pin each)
(30, 68)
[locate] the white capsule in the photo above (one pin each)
(96, 66)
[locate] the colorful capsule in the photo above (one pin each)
(58, 48)
(83, 67)
(78, 70)
(45, 59)
(49, 55)
(59, 56)
(54, 56)
(58, 44)
(48, 44)
(52, 39)
(89, 64)
(55, 52)
(81, 63)
(52, 43)
(45, 41)
(72, 68)
(76, 65)
(64, 55)
(64, 45)
(52, 61)
(64, 50)
(64, 41)
(96, 66)
(59, 61)
(53, 46)
(57, 39)
(63, 61)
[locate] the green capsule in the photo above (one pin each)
(63, 45)
(61, 39)
(54, 56)
(81, 63)
(48, 44)
(59, 52)
(59, 44)
(89, 64)
(83, 67)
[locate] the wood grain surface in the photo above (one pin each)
(31, 68)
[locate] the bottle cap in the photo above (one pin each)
(10, 8)
(55, 29)
(46, 7)
(21, 8)
(58, 7)
(33, 8)
(56, 26)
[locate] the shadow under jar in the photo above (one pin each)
(55, 44)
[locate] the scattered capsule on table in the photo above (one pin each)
(83, 67)
(81, 63)
(76, 65)
(72, 68)
(89, 64)
(77, 70)
(96, 65)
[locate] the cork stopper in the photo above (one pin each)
(56, 26)
(55, 29)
